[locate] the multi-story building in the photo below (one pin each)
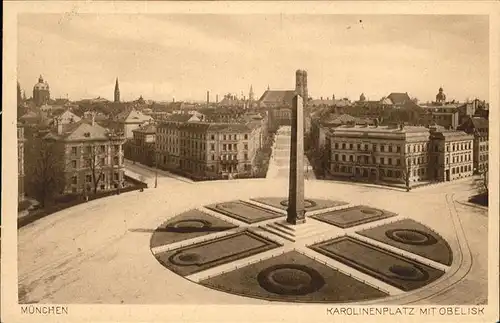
(142, 147)
(129, 120)
(379, 153)
(92, 156)
(445, 115)
(450, 154)
(207, 149)
(478, 127)
(20, 162)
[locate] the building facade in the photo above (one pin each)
(129, 120)
(451, 154)
(379, 153)
(206, 149)
(479, 128)
(92, 157)
(142, 147)
(20, 162)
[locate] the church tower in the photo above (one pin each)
(117, 91)
(250, 97)
(41, 92)
(441, 97)
(301, 85)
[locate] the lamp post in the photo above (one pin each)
(156, 168)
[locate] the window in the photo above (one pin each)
(336, 146)
(374, 147)
(246, 137)
(74, 180)
(235, 146)
(246, 146)
(73, 150)
(382, 148)
(390, 150)
(103, 161)
(390, 161)
(246, 156)
(224, 147)
(116, 176)
(359, 146)
(382, 160)
(398, 161)
(366, 147)
(102, 148)
(88, 178)
(73, 163)
(350, 146)
(343, 157)
(103, 187)
(336, 157)
(87, 162)
(212, 137)
(351, 158)
(212, 147)
(343, 146)
(116, 160)
(398, 149)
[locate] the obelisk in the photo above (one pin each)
(295, 211)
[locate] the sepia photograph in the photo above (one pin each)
(281, 158)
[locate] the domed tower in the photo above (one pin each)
(362, 97)
(117, 91)
(441, 97)
(41, 92)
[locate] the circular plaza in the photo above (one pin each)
(226, 242)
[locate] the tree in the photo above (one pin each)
(406, 173)
(482, 182)
(95, 162)
(44, 171)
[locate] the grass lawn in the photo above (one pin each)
(438, 251)
(244, 211)
(310, 204)
(201, 256)
(293, 277)
(353, 216)
(188, 225)
(393, 269)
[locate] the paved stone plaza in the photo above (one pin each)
(123, 249)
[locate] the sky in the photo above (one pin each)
(181, 56)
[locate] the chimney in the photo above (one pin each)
(208, 97)
(216, 98)
(93, 119)
(59, 126)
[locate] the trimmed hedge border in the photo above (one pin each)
(73, 200)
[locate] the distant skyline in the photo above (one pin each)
(179, 55)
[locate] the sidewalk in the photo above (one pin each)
(137, 167)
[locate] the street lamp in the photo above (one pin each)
(156, 168)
